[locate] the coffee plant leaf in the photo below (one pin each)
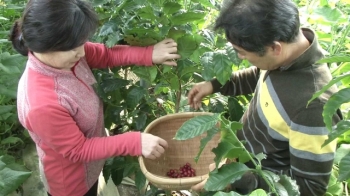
(227, 194)
(342, 127)
(135, 95)
(171, 8)
(342, 151)
(210, 134)
(225, 175)
(332, 105)
(344, 168)
(12, 174)
(222, 66)
(196, 126)
(289, 186)
(187, 17)
(334, 81)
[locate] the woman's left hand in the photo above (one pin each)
(165, 52)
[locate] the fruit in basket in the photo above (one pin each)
(184, 171)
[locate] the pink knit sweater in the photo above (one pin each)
(64, 117)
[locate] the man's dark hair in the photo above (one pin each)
(255, 24)
(53, 25)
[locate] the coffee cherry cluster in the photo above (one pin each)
(184, 171)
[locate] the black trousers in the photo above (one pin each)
(91, 192)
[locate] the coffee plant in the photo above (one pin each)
(134, 96)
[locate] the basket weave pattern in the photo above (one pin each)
(177, 154)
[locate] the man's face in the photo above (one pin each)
(266, 62)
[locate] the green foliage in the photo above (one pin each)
(12, 175)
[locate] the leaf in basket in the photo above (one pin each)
(196, 126)
(226, 174)
(210, 134)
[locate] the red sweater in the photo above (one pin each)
(64, 117)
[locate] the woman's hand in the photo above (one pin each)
(152, 146)
(165, 52)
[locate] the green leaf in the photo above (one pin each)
(117, 176)
(147, 73)
(11, 140)
(7, 109)
(99, 2)
(334, 187)
(235, 109)
(342, 151)
(206, 3)
(186, 45)
(108, 28)
(335, 59)
(171, 7)
(134, 96)
(221, 150)
(222, 66)
(196, 126)
(289, 184)
(227, 174)
(210, 134)
(140, 180)
(12, 175)
(187, 17)
(341, 128)
(258, 192)
(333, 104)
(331, 83)
(344, 168)
(140, 121)
(228, 194)
(113, 84)
(341, 69)
(207, 63)
(113, 39)
(328, 14)
(12, 180)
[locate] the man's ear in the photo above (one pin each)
(276, 48)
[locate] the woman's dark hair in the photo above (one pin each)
(255, 24)
(53, 25)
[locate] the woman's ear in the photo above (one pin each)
(276, 48)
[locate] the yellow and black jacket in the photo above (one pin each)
(279, 123)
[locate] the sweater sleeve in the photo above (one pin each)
(99, 56)
(242, 82)
(61, 133)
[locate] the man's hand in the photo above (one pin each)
(152, 146)
(165, 52)
(197, 93)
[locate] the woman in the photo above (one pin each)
(56, 101)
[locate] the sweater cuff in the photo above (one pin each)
(128, 144)
(216, 85)
(149, 52)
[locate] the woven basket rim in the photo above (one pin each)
(163, 179)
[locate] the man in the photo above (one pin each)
(283, 79)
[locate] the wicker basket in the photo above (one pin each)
(177, 154)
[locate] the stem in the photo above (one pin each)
(257, 166)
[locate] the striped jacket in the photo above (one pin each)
(279, 123)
